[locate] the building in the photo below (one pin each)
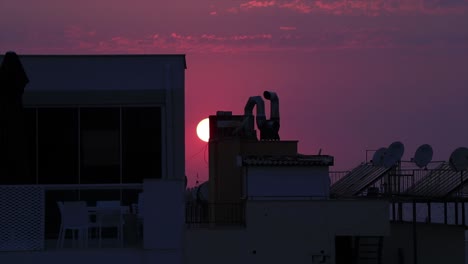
(93, 134)
(103, 127)
(270, 204)
(427, 209)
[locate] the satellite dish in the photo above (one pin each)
(393, 154)
(459, 159)
(423, 155)
(378, 157)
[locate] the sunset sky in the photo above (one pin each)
(351, 75)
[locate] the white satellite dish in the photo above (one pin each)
(393, 154)
(423, 155)
(459, 159)
(378, 157)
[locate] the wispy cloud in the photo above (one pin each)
(287, 28)
(284, 39)
(298, 6)
(256, 4)
(360, 7)
(81, 39)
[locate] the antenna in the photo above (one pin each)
(393, 154)
(378, 157)
(423, 155)
(459, 159)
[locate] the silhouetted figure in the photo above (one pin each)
(13, 161)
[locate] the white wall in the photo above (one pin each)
(287, 232)
(436, 244)
(287, 181)
(163, 221)
(98, 72)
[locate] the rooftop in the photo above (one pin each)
(287, 160)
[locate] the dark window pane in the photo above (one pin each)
(92, 196)
(141, 142)
(100, 145)
(130, 197)
(58, 145)
(14, 156)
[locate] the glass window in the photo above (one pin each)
(100, 145)
(14, 147)
(141, 143)
(58, 145)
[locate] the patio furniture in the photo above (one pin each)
(109, 214)
(137, 209)
(74, 217)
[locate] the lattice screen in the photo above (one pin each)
(21, 218)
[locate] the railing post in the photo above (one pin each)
(445, 212)
(415, 235)
(463, 213)
(429, 212)
(400, 211)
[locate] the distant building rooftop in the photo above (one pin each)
(288, 160)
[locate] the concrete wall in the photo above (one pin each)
(99, 72)
(163, 221)
(90, 256)
(278, 181)
(283, 147)
(436, 244)
(287, 232)
(226, 182)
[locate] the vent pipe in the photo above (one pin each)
(248, 111)
(274, 105)
(272, 125)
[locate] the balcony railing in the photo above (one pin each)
(199, 214)
(336, 176)
(450, 211)
(30, 218)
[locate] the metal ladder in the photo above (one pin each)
(368, 249)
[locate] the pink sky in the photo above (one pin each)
(351, 74)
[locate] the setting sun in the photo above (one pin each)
(203, 129)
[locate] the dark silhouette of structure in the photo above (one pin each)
(13, 79)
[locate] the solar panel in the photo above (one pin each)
(439, 182)
(357, 180)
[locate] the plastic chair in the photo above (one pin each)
(74, 217)
(140, 205)
(109, 214)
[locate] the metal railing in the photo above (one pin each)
(204, 214)
(34, 207)
(336, 176)
(450, 211)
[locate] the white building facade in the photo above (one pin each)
(99, 127)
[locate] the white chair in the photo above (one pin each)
(139, 210)
(74, 217)
(109, 214)
(140, 206)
